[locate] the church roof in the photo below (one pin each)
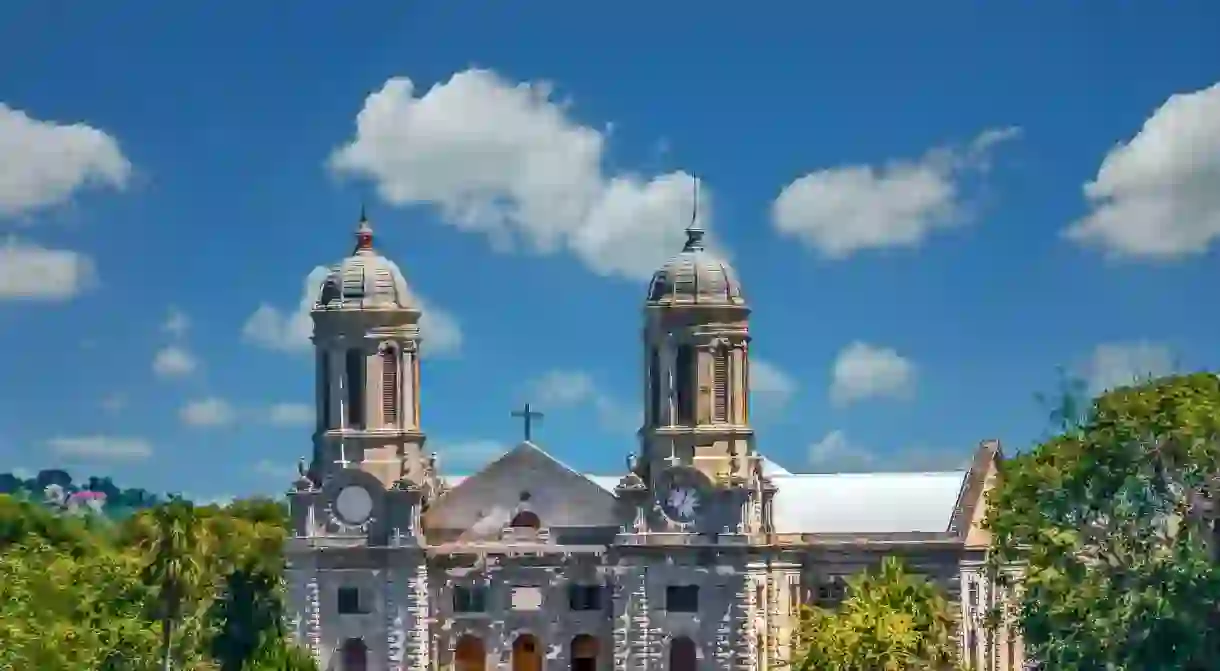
(847, 503)
(864, 503)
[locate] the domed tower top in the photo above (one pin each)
(365, 280)
(696, 276)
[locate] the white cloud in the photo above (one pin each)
(114, 403)
(507, 160)
(208, 412)
(558, 389)
(863, 371)
(28, 271)
(846, 209)
(45, 163)
(1155, 195)
(176, 323)
(1114, 365)
(835, 453)
(769, 384)
(277, 329)
(174, 361)
(291, 414)
(101, 448)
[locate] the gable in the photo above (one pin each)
(485, 502)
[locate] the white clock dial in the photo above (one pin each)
(682, 503)
(354, 504)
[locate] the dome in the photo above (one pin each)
(364, 280)
(695, 277)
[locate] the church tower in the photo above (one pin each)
(697, 446)
(366, 341)
(355, 555)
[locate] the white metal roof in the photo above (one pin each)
(866, 502)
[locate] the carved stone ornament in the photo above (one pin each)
(405, 484)
(631, 482)
(303, 483)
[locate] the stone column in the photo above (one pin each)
(406, 380)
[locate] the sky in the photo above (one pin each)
(935, 211)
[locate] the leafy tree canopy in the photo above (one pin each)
(890, 620)
(84, 593)
(1111, 523)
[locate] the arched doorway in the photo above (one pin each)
(583, 653)
(354, 655)
(527, 653)
(682, 655)
(469, 654)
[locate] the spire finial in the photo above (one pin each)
(694, 232)
(364, 232)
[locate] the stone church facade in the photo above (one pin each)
(696, 557)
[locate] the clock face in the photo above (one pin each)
(682, 503)
(354, 504)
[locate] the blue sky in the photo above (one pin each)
(902, 190)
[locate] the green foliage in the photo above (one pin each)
(890, 620)
(119, 502)
(78, 594)
(1111, 523)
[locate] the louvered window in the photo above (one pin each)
(389, 386)
(324, 389)
(720, 380)
(355, 388)
(654, 386)
(684, 380)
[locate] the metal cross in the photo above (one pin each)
(527, 416)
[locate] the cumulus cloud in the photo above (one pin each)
(46, 162)
(176, 322)
(291, 414)
(289, 331)
(769, 384)
(560, 389)
(507, 160)
(1155, 196)
(174, 361)
(208, 412)
(101, 448)
(29, 271)
(862, 371)
(836, 453)
(847, 209)
(1115, 365)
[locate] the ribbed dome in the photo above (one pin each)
(695, 277)
(364, 280)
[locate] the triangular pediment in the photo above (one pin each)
(524, 478)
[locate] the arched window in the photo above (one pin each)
(355, 388)
(654, 386)
(526, 519)
(323, 390)
(684, 380)
(390, 385)
(720, 383)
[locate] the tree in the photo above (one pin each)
(174, 551)
(1111, 523)
(890, 620)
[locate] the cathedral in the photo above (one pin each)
(696, 557)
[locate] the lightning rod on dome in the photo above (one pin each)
(694, 232)
(364, 232)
